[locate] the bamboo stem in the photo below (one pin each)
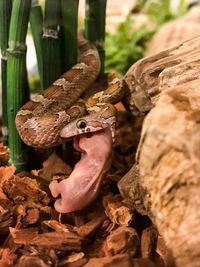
(36, 23)
(51, 43)
(69, 12)
(17, 78)
(5, 13)
(95, 25)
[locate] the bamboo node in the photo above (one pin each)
(50, 33)
(3, 55)
(4, 130)
(100, 43)
(35, 3)
(16, 48)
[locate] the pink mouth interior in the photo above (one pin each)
(82, 186)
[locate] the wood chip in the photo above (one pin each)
(78, 263)
(54, 165)
(122, 240)
(25, 191)
(90, 227)
(19, 214)
(164, 252)
(4, 154)
(59, 241)
(148, 242)
(58, 227)
(7, 257)
(95, 249)
(52, 240)
(6, 173)
(72, 258)
(24, 236)
(33, 261)
(118, 212)
(32, 217)
(6, 220)
(143, 263)
(121, 260)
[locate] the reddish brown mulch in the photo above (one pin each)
(107, 233)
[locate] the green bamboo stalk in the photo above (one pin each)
(17, 79)
(69, 25)
(51, 43)
(5, 13)
(95, 14)
(36, 23)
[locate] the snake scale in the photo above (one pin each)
(45, 120)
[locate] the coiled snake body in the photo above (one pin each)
(45, 120)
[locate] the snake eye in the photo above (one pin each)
(81, 124)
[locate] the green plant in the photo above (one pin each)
(17, 81)
(161, 11)
(5, 13)
(125, 46)
(95, 16)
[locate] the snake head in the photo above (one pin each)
(91, 123)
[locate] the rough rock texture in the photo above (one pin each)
(150, 76)
(169, 158)
(176, 31)
(165, 182)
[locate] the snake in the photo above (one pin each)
(59, 113)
